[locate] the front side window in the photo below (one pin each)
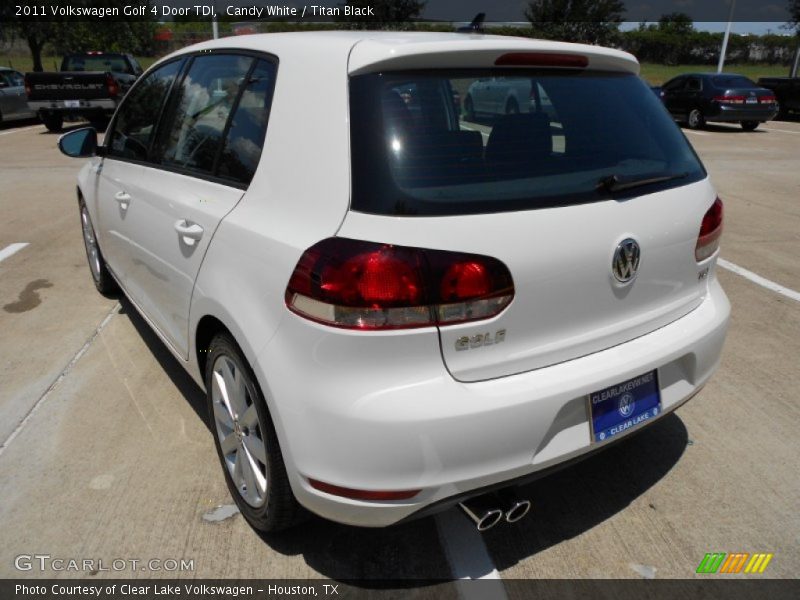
(203, 102)
(136, 120)
(477, 141)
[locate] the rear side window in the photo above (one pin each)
(732, 81)
(135, 121)
(99, 62)
(245, 137)
(479, 141)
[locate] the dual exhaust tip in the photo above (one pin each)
(488, 510)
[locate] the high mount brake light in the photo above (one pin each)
(370, 286)
(710, 232)
(542, 59)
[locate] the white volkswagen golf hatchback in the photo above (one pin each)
(394, 304)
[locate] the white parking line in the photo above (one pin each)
(468, 556)
(11, 250)
(20, 129)
(758, 279)
(693, 132)
(18, 429)
(780, 130)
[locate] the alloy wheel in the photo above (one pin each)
(238, 430)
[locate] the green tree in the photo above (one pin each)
(676, 23)
(587, 21)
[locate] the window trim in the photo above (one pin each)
(189, 57)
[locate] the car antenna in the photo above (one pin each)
(475, 27)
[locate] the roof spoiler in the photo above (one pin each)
(475, 27)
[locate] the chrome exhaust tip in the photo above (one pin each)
(518, 507)
(483, 511)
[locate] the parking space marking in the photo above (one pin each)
(780, 130)
(692, 131)
(20, 129)
(467, 555)
(11, 250)
(758, 279)
(65, 371)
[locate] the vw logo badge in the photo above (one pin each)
(626, 260)
(626, 405)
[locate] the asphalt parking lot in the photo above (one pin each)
(106, 452)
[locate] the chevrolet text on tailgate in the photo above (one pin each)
(476, 259)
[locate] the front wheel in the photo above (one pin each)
(102, 279)
(696, 119)
(749, 125)
(246, 442)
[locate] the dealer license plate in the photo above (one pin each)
(621, 407)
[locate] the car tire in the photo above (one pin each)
(469, 109)
(512, 108)
(102, 278)
(695, 119)
(241, 422)
(750, 125)
(53, 122)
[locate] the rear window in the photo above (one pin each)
(97, 62)
(731, 81)
(479, 141)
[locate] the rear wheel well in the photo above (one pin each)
(207, 328)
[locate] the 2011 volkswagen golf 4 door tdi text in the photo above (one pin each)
(395, 304)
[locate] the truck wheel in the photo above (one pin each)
(750, 125)
(53, 122)
(247, 444)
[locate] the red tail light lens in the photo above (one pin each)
(111, 85)
(364, 285)
(730, 99)
(27, 87)
(710, 232)
(767, 100)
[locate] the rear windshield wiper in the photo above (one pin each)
(617, 183)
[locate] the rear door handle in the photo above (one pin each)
(189, 232)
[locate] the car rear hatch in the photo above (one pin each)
(592, 173)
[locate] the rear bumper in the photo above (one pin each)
(348, 417)
(736, 114)
(100, 104)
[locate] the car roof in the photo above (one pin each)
(373, 50)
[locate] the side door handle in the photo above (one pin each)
(123, 199)
(189, 232)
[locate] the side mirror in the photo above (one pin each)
(3, 84)
(79, 143)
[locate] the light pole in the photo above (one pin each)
(214, 24)
(725, 38)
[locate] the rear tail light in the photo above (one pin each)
(710, 232)
(337, 490)
(111, 85)
(27, 87)
(369, 286)
(730, 99)
(767, 99)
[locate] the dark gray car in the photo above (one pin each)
(13, 103)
